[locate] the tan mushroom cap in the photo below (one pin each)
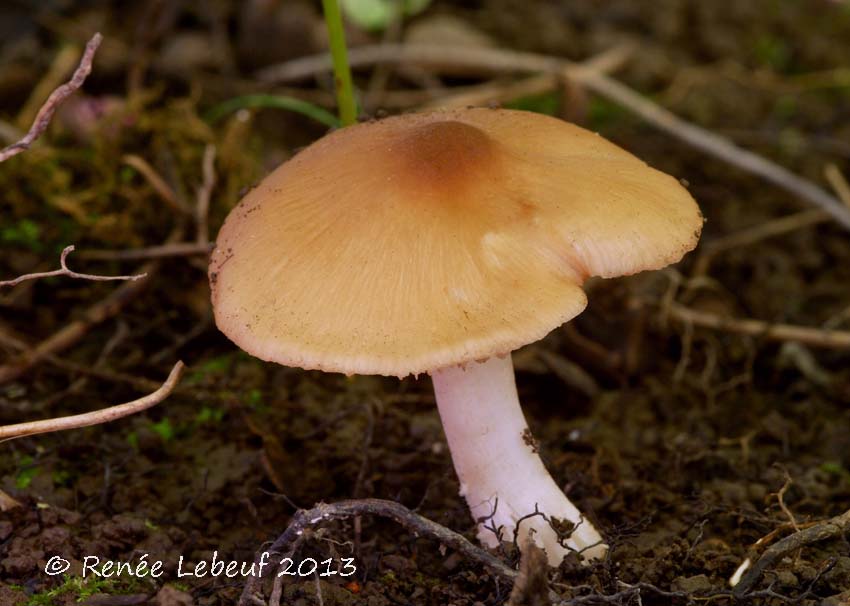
(421, 241)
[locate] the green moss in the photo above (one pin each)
(255, 400)
(218, 365)
(27, 471)
(164, 429)
(62, 477)
(25, 233)
(133, 440)
(601, 114)
(546, 103)
(81, 589)
(209, 415)
(785, 107)
(836, 469)
(772, 51)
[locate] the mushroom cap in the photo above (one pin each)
(422, 241)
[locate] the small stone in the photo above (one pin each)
(5, 530)
(841, 599)
(757, 492)
(398, 563)
(171, 596)
(693, 585)
(54, 539)
(19, 565)
(786, 578)
(452, 562)
(12, 597)
(839, 576)
(806, 572)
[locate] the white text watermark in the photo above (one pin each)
(144, 567)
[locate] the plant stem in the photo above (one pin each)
(501, 475)
(342, 72)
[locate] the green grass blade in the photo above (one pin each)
(273, 102)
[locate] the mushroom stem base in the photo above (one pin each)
(495, 457)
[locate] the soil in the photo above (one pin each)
(685, 445)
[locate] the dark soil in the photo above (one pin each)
(685, 445)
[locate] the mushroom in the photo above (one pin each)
(439, 243)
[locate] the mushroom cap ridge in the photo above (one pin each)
(421, 241)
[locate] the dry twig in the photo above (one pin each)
(90, 370)
(496, 61)
(56, 98)
(755, 234)
(10, 432)
(97, 313)
(413, 522)
(475, 60)
(7, 503)
(838, 182)
(165, 191)
(178, 249)
(780, 498)
(65, 271)
(816, 337)
(827, 529)
(501, 92)
(204, 192)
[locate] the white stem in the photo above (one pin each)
(495, 458)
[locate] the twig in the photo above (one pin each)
(97, 417)
(838, 182)
(493, 92)
(67, 273)
(178, 249)
(780, 498)
(636, 590)
(816, 337)
(625, 596)
(717, 146)
(7, 503)
(474, 59)
(62, 67)
(757, 233)
(159, 185)
(56, 98)
(496, 61)
(92, 370)
(97, 313)
(570, 373)
(413, 522)
(101, 373)
(204, 192)
(381, 74)
(532, 582)
(770, 536)
(193, 333)
(277, 590)
(500, 92)
(827, 529)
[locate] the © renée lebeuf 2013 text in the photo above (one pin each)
(217, 567)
